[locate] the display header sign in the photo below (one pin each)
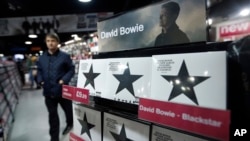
(204, 121)
(161, 24)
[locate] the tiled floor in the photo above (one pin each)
(31, 119)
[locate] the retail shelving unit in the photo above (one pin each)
(170, 107)
(10, 88)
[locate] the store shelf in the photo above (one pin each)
(10, 88)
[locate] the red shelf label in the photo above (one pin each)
(75, 94)
(73, 137)
(81, 95)
(68, 92)
(204, 121)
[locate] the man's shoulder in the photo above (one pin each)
(63, 53)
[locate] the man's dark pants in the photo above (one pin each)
(52, 104)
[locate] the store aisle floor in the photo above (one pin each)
(31, 119)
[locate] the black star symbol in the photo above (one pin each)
(183, 83)
(122, 136)
(126, 80)
(85, 126)
(90, 77)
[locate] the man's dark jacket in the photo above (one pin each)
(173, 36)
(51, 69)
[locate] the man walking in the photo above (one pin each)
(55, 68)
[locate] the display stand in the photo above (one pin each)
(10, 88)
(219, 118)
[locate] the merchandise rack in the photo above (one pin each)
(234, 89)
(10, 89)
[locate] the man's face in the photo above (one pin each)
(165, 18)
(51, 43)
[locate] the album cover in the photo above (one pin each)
(164, 134)
(91, 76)
(197, 79)
(117, 128)
(128, 79)
(87, 123)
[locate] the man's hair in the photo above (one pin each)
(173, 8)
(54, 36)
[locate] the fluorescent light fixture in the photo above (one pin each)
(244, 12)
(209, 21)
(69, 42)
(28, 42)
(32, 36)
(84, 0)
(74, 35)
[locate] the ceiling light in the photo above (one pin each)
(69, 42)
(28, 42)
(32, 36)
(209, 21)
(84, 0)
(244, 12)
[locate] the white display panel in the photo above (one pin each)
(128, 79)
(194, 78)
(120, 129)
(92, 76)
(87, 123)
(163, 134)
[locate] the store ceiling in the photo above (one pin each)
(21, 8)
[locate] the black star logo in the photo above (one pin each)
(126, 80)
(122, 136)
(183, 83)
(85, 126)
(90, 77)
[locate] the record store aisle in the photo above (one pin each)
(31, 119)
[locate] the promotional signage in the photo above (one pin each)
(163, 134)
(87, 124)
(81, 95)
(127, 79)
(235, 29)
(68, 92)
(197, 79)
(75, 94)
(232, 30)
(92, 76)
(204, 121)
(134, 29)
(117, 128)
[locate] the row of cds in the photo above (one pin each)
(94, 125)
(197, 79)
